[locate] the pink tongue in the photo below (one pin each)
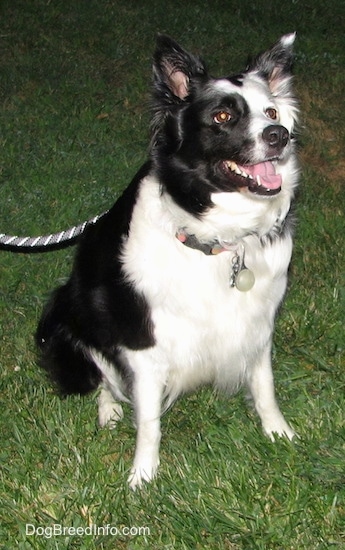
(267, 173)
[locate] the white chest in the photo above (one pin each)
(205, 330)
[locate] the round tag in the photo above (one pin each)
(245, 280)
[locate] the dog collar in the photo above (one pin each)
(210, 249)
(240, 276)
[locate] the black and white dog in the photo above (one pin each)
(179, 283)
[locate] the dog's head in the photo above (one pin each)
(231, 134)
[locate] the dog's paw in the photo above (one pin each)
(143, 473)
(279, 429)
(109, 413)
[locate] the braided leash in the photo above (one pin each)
(45, 242)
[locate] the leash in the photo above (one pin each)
(45, 243)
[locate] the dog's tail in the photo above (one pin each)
(63, 356)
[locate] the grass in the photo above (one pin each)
(73, 131)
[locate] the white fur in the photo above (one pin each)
(109, 412)
(206, 332)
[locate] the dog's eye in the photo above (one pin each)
(271, 113)
(221, 117)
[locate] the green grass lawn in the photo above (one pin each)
(74, 81)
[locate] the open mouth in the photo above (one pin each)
(260, 179)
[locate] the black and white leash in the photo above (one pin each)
(44, 243)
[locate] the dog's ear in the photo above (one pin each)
(275, 65)
(173, 68)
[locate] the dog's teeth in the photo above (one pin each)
(233, 166)
(236, 169)
(258, 181)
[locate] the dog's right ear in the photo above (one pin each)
(173, 68)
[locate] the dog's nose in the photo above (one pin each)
(275, 135)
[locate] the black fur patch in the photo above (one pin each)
(96, 308)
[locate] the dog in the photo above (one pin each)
(178, 284)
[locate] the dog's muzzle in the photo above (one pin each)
(275, 136)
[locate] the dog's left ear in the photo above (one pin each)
(173, 68)
(275, 65)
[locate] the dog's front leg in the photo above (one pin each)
(261, 386)
(147, 399)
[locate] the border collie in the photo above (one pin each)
(178, 285)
